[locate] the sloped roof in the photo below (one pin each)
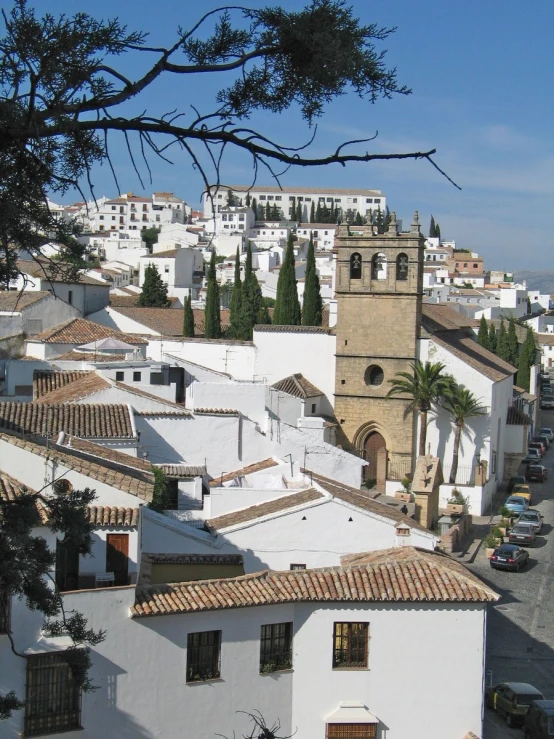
(151, 396)
(117, 516)
(66, 386)
(54, 272)
(14, 300)
(401, 575)
(169, 254)
(182, 470)
(472, 353)
(298, 386)
(264, 509)
(193, 559)
(515, 417)
(265, 464)
(110, 457)
(75, 356)
(130, 301)
(80, 331)
(100, 421)
(441, 316)
(166, 321)
(11, 490)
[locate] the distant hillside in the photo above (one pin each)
(543, 281)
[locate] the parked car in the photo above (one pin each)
(533, 456)
(544, 439)
(512, 700)
(514, 481)
(536, 472)
(509, 557)
(516, 504)
(547, 404)
(522, 491)
(537, 445)
(533, 518)
(539, 720)
(547, 431)
(522, 534)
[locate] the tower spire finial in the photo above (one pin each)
(415, 223)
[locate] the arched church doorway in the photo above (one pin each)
(373, 442)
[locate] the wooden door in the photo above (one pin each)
(67, 566)
(117, 557)
(372, 444)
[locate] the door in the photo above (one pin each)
(372, 444)
(117, 557)
(67, 566)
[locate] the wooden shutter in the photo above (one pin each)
(117, 557)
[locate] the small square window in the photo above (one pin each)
(203, 656)
(137, 376)
(262, 197)
(350, 641)
(119, 376)
(298, 567)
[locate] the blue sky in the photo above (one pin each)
(482, 75)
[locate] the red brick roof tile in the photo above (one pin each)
(67, 386)
(80, 331)
(101, 421)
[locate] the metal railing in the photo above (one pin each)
(465, 475)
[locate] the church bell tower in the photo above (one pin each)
(379, 290)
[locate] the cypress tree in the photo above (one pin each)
(312, 212)
(154, 289)
(188, 318)
(252, 309)
(502, 342)
(231, 200)
(293, 211)
(513, 346)
(254, 206)
(318, 213)
(527, 359)
(212, 319)
(260, 212)
(438, 231)
(236, 301)
(432, 230)
(287, 307)
(312, 305)
(492, 338)
(247, 200)
(483, 335)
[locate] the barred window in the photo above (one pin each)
(276, 647)
(53, 699)
(203, 656)
(5, 612)
(351, 731)
(350, 644)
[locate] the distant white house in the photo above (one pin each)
(179, 269)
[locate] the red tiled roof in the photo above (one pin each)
(80, 331)
(293, 329)
(243, 471)
(297, 386)
(15, 300)
(11, 490)
(472, 353)
(101, 421)
(264, 509)
(401, 574)
(167, 322)
(66, 386)
(56, 272)
(118, 516)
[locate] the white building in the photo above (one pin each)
(179, 270)
(323, 234)
(32, 312)
(131, 212)
(116, 246)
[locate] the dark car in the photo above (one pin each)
(539, 720)
(512, 700)
(509, 557)
(536, 472)
(537, 445)
(533, 518)
(522, 534)
(515, 481)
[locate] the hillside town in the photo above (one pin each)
(297, 412)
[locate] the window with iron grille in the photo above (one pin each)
(351, 731)
(276, 647)
(203, 656)
(350, 644)
(53, 699)
(5, 612)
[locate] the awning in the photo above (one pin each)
(50, 644)
(351, 712)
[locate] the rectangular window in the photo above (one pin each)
(278, 197)
(203, 656)
(5, 612)
(70, 297)
(166, 269)
(119, 376)
(376, 200)
(137, 376)
(262, 197)
(297, 566)
(369, 200)
(113, 207)
(354, 200)
(329, 200)
(351, 731)
(350, 645)
(313, 407)
(53, 699)
(276, 647)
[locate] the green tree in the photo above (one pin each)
(287, 307)
(26, 567)
(424, 387)
(312, 304)
(312, 212)
(293, 210)
(247, 200)
(492, 338)
(160, 495)
(437, 231)
(502, 342)
(150, 236)
(432, 228)
(527, 359)
(254, 206)
(483, 335)
(513, 346)
(236, 300)
(188, 318)
(462, 405)
(358, 220)
(231, 199)
(212, 318)
(253, 309)
(154, 289)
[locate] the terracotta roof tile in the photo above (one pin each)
(152, 396)
(294, 329)
(117, 516)
(135, 481)
(194, 559)
(468, 350)
(66, 386)
(169, 254)
(515, 417)
(95, 357)
(105, 454)
(264, 509)
(15, 300)
(298, 386)
(166, 321)
(441, 316)
(182, 470)
(130, 301)
(56, 272)
(215, 412)
(243, 471)
(11, 490)
(402, 574)
(80, 331)
(101, 421)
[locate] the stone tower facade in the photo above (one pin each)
(379, 289)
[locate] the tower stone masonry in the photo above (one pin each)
(379, 290)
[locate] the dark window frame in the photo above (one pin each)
(119, 376)
(137, 376)
(203, 656)
(350, 645)
(276, 647)
(402, 263)
(297, 566)
(356, 266)
(50, 686)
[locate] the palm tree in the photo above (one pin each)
(462, 404)
(426, 387)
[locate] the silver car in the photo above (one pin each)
(533, 518)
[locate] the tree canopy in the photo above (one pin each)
(154, 289)
(63, 96)
(212, 313)
(287, 306)
(312, 304)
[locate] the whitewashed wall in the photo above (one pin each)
(20, 372)
(246, 397)
(234, 358)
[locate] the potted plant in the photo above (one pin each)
(490, 543)
(405, 493)
(496, 531)
(504, 526)
(457, 503)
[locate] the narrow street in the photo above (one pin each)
(520, 633)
